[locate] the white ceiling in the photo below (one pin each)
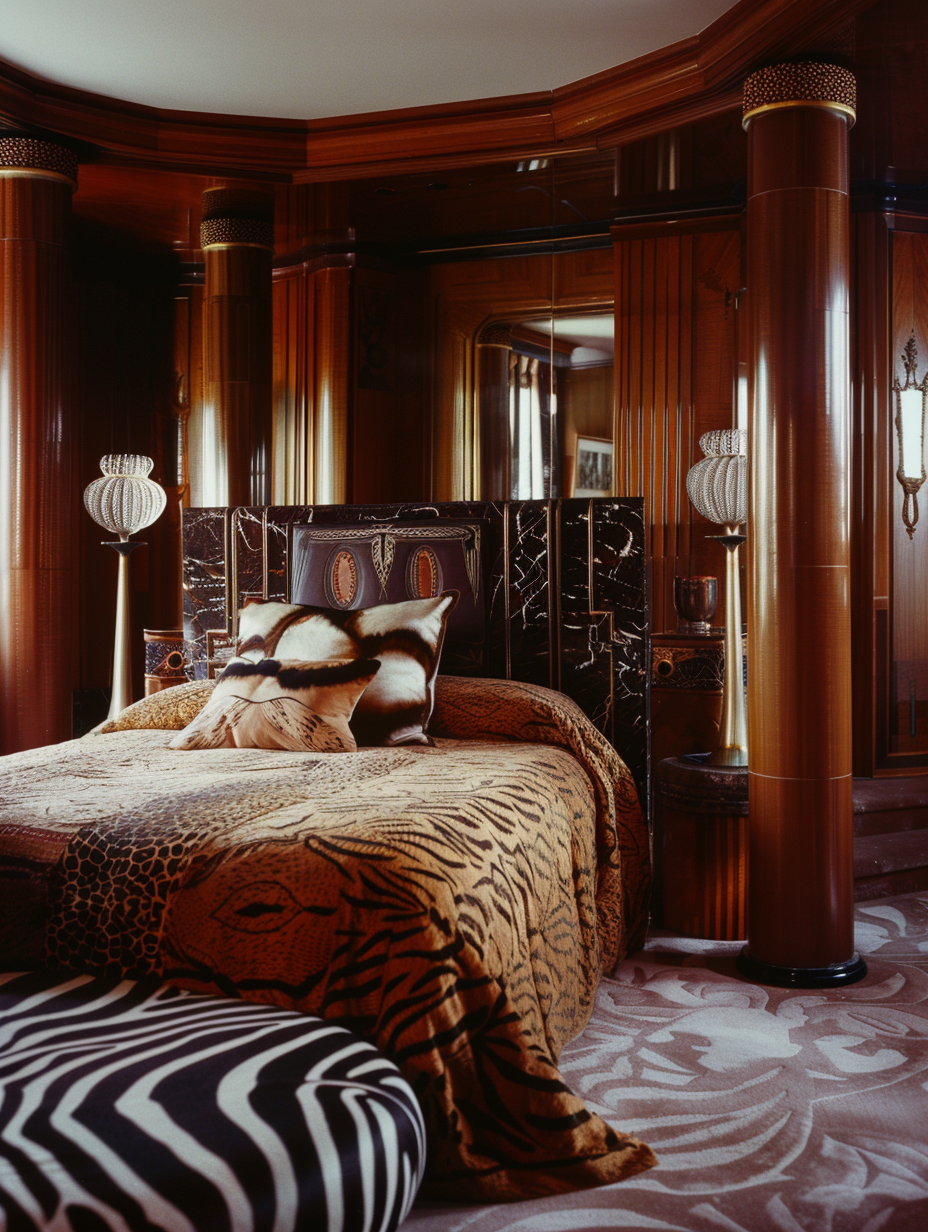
(307, 59)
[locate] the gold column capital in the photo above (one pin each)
(27, 156)
(498, 334)
(808, 83)
(240, 216)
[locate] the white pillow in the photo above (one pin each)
(273, 704)
(405, 638)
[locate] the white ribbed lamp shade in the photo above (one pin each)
(125, 499)
(718, 485)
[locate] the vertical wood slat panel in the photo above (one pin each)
(331, 377)
(871, 452)
(674, 352)
(293, 355)
(909, 559)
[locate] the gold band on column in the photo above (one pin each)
(32, 157)
(806, 84)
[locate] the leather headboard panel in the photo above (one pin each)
(350, 566)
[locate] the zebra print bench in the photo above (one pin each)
(131, 1105)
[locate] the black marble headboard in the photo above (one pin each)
(565, 593)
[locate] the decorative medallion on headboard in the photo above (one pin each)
(556, 589)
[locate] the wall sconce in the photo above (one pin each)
(910, 431)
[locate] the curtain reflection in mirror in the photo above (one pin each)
(531, 407)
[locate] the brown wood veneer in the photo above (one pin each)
(799, 686)
(35, 462)
(236, 469)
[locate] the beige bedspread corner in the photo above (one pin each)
(455, 905)
(509, 710)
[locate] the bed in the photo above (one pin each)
(454, 902)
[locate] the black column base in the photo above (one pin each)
(801, 977)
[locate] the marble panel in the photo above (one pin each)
(530, 595)
(205, 540)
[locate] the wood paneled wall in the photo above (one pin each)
(907, 703)
(124, 397)
(676, 297)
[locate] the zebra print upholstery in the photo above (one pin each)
(133, 1106)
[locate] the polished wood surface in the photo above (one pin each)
(675, 362)
(799, 684)
(688, 80)
(907, 702)
(332, 376)
(705, 868)
(313, 391)
(871, 478)
(39, 500)
(701, 817)
(235, 460)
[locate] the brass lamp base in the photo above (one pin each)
(121, 695)
(732, 748)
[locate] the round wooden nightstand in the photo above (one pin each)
(703, 812)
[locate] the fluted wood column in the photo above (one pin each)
(237, 238)
(494, 348)
(36, 500)
(800, 892)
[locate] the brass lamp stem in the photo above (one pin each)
(121, 695)
(732, 748)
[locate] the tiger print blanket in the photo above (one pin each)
(455, 905)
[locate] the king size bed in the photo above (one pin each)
(451, 889)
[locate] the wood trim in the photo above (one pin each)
(646, 230)
(675, 85)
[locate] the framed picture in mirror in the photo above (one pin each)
(592, 467)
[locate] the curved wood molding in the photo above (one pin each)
(689, 80)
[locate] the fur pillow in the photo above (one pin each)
(281, 705)
(167, 709)
(404, 637)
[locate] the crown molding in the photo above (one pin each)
(686, 81)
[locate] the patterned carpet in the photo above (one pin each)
(770, 1110)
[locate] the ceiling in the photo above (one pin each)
(309, 59)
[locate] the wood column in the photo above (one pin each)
(494, 348)
(800, 897)
(237, 238)
(37, 503)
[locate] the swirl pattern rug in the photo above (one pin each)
(769, 1110)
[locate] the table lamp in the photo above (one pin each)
(717, 487)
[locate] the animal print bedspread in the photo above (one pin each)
(456, 905)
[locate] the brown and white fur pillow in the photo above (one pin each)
(294, 705)
(405, 638)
